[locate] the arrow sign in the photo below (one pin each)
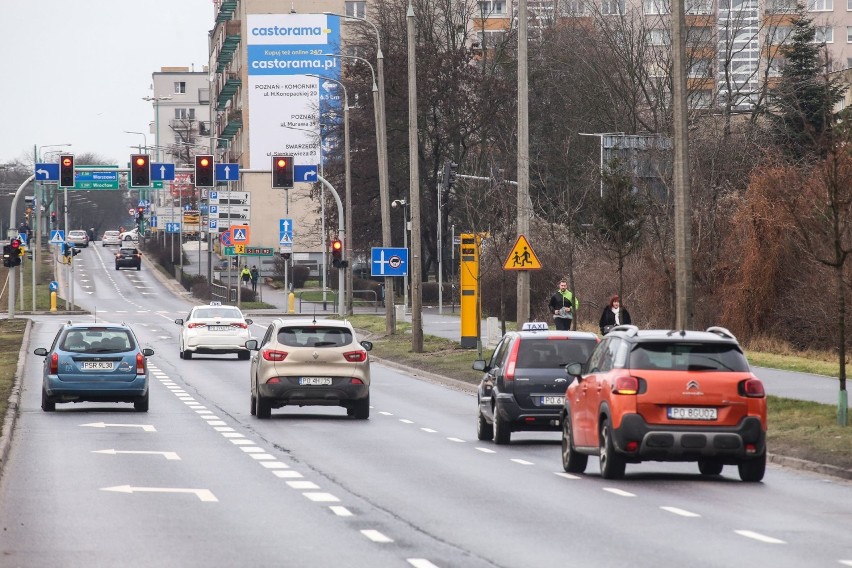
(47, 172)
(145, 427)
(203, 494)
(227, 172)
(162, 172)
(167, 455)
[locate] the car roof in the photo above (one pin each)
(306, 322)
(91, 325)
(554, 333)
(711, 335)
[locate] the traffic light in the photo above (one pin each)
(66, 170)
(451, 174)
(337, 254)
(140, 214)
(7, 255)
(16, 252)
(282, 172)
(53, 219)
(140, 170)
(204, 171)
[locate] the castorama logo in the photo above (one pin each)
(290, 29)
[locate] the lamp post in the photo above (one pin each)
(156, 101)
(144, 138)
(404, 204)
(39, 195)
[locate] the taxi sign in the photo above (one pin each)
(522, 257)
(534, 326)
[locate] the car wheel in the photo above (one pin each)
(141, 405)
(752, 470)
(572, 460)
(502, 433)
(484, 430)
(707, 467)
(361, 408)
(253, 405)
(612, 464)
(243, 355)
(187, 354)
(264, 408)
(138, 267)
(46, 403)
(116, 267)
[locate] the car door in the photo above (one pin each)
(487, 386)
(255, 359)
(584, 395)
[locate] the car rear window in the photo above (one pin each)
(112, 234)
(314, 336)
(97, 340)
(218, 313)
(670, 356)
(548, 353)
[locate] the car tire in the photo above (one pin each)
(243, 355)
(707, 467)
(47, 403)
(138, 267)
(141, 405)
(484, 430)
(253, 405)
(263, 408)
(116, 267)
(502, 432)
(752, 470)
(187, 354)
(612, 463)
(361, 409)
(572, 460)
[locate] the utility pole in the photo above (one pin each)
(414, 192)
(523, 312)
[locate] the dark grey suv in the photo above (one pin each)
(128, 257)
(524, 384)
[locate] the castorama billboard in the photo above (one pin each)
(284, 103)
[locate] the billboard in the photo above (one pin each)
(285, 104)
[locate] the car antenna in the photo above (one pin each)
(315, 314)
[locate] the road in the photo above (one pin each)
(198, 481)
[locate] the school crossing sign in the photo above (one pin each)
(522, 256)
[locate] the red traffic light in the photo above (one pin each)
(67, 162)
(16, 244)
(336, 246)
(204, 162)
(281, 163)
(141, 160)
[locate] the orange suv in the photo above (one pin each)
(658, 395)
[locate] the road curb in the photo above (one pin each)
(805, 465)
(419, 374)
(14, 400)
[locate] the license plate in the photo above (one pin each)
(687, 413)
(315, 381)
(552, 400)
(219, 327)
(97, 365)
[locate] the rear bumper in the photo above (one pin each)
(216, 345)
(106, 391)
(690, 443)
(531, 419)
(337, 394)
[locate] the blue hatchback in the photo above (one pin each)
(98, 362)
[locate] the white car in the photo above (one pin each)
(131, 235)
(214, 329)
(77, 238)
(111, 238)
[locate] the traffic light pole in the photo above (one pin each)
(12, 224)
(340, 235)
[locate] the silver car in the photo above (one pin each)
(111, 238)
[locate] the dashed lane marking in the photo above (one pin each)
(681, 512)
(376, 536)
(619, 492)
(759, 537)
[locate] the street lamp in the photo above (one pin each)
(156, 101)
(404, 204)
(144, 138)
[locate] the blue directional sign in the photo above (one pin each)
(389, 261)
(47, 172)
(227, 172)
(57, 237)
(162, 172)
(214, 196)
(173, 227)
(95, 175)
(54, 286)
(305, 173)
(152, 221)
(285, 232)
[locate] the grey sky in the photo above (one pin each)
(105, 51)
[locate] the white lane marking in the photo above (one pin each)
(202, 494)
(420, 563)
(459, 440)
(404, 421)
(566, 475)
(303, 485)
(429, 430)
(386, 413)
(681, 512)
(376, 536)
(275, 465)
(233, 435)
(223, 429)
(113, 452)
(216, 423)
(253, 450)
(846, 562)
(242, 442)
(145, 427)
(262, 457)
(195, 407)
(619, 492)
(321, 497)
(486, 451)
(522, 462)
(340, 511)
(289, 473)
(760, 537)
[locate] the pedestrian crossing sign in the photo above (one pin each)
(522, 257)
(240, 235)
(57, 237)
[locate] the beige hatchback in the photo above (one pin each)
(310, 363)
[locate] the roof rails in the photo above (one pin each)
(630, 330)
(721, 332)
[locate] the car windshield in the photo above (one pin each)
(128, 251)
(314, 336)
(546, 353)
(670, 356)
(206, 313)
(97, 340)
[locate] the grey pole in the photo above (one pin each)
(340, 235)
(12, 223)
(414, 191)
(523, 311)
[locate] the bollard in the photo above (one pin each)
(291, 303)
(53, 301)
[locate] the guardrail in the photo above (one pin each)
(219, 292)
(330, 303)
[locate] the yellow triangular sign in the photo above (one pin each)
(522, 257)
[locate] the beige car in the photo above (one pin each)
(310, 363)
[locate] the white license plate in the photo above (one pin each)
(315, 381)
(552, 400)
(219, 327)
(97, 365)
(692, 413)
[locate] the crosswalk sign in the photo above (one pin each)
(522, 257)
(240, 235)
(57, 237)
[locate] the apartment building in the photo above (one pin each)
(181, 101)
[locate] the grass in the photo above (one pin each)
(11, 336)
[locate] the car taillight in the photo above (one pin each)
(192, 325)
(356, 356)
(509, 375)
(752, 388)
(54, 364)
(240, 325)
(626, 385)
(274, 355)
(140, 364)
(357, 381)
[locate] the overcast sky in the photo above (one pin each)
(75, 71)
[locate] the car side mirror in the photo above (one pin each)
(367, 345)
(147, 352)
(251, 344)
(479, 365)
(179, 321)
(574, 369)
(249, 321)
(41, 351)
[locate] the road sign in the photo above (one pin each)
(240, 234)
(213, 223)
(23, 238)
(95, 175)
(389, 261)
(239, 249)
(248, 251)
(54, 286)
(57, 237)
(225, 238)
(173, 227)
(305, 173)
(237, 212)
(285, 232)
(47, 172)
(224, 198)
(163, 172)
(227, 172)
(522, 257)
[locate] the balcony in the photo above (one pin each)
(233, 123)
(232, 83)
(183, 124)
(230, 43)
(226, 11)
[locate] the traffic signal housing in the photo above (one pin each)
(16, 252)
(7, 256)
(140, 214)
(140, 170)
(204, 171)
(337, 254)
(451, 174)
(66, 170)
(282, 172)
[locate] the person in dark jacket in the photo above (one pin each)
(562, 305)
(614, 314)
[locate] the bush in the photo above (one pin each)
(429, 292)
(366, 290)
(300, 275)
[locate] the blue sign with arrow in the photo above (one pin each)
(305, 173)
(47, 172)
(162, 172)
(227, 172)
(386, 261)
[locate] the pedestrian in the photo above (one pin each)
(255, 275)
(614, 314)
(562, 305)
(245, 275)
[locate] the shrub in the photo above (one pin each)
(300, 275)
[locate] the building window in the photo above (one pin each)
(782, 6)
(820, 5)
(492, 8)
(180, 87)
(654, 7)
(578, 7)
(848, 5)
(701, 68)
(184, 114)
(356, 8)
(613, 7)
(779, 35)
(658, 37)
(697, 7)
(491, 38)
(824, 34)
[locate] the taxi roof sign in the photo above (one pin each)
(534, 326)
(522, 257)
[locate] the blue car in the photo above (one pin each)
(97, 362)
